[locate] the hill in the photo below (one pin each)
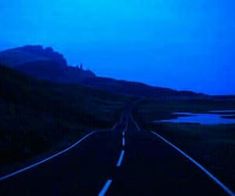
(46, 64)
(138, 89)
(43, 63)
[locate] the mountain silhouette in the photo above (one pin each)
(43, 63)
(47, 64)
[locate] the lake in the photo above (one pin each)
(212, 118)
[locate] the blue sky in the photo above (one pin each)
(187, 45)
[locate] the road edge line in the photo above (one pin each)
(136, 124)
(209, 174)
(19, 171)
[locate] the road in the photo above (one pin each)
(123, 161)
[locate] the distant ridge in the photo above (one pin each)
(47, 64)
(138, 89)
(18, 56)
(43, 63)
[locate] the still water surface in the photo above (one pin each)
(212, 118)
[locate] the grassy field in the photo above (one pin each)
(38, 117)
(211, 145)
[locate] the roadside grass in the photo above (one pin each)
(37, 118)
(211, 145)
(149, 110)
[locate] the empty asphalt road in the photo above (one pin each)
(123, 161)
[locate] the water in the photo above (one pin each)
(203, 118)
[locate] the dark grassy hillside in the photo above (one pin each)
(138, 89)
(36, 116)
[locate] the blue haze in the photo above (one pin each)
(187, 45)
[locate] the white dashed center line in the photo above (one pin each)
(123, 141)
(123, 133)
(119, 162)
(105, 188)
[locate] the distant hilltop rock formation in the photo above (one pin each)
(26, 54)
(43, 63)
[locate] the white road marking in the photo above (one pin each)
(105, 188)
(137, 126)
(45, 160)
(123, 133)
(119, 162)
(209, 174)
(123, 141)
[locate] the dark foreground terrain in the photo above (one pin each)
(69, 139)
(38, 117)
(124, 161)
(211, 145)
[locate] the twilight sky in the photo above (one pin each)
(182, 44)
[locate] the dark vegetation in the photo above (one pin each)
(212, 145)
(138, 89)
(38, 116)
(159, 109)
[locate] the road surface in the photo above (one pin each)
(123, 161)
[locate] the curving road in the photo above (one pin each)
(123, 161)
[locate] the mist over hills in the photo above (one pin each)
(47, 64)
